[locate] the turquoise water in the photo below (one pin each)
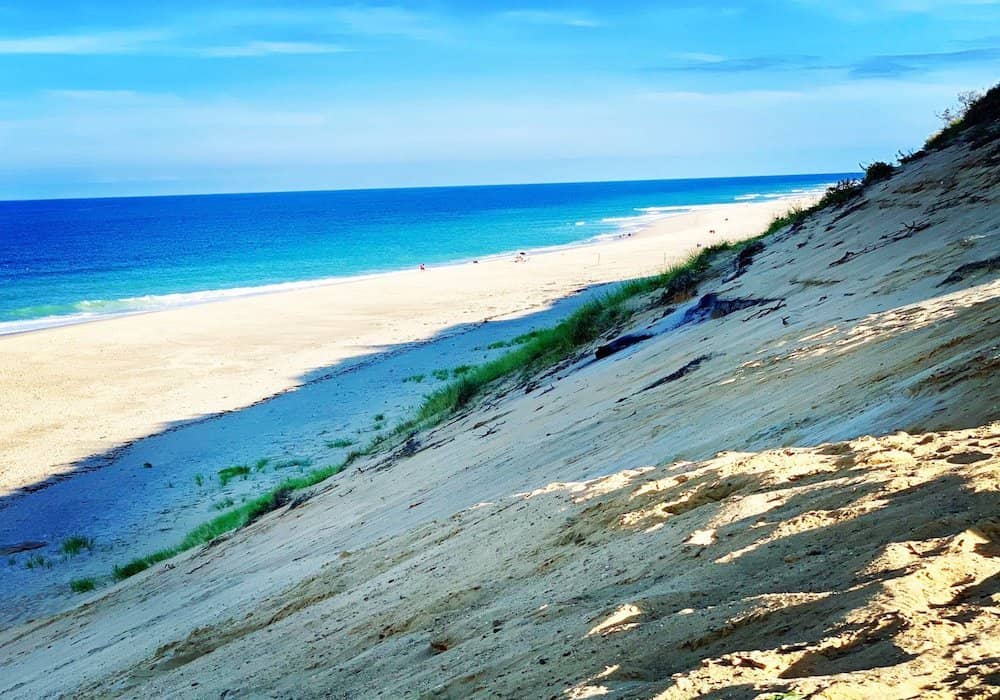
(72, 260)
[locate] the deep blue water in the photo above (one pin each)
(69, 259)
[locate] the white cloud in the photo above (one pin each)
(268, 48)
(199, 35)
(94, 95)
(349, 20)
(83, 44)
(390, 21)
(700, 57)
(551, 17)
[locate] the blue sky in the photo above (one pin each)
(101, 99)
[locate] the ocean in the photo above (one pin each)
(72, 260)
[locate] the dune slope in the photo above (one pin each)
(795, 491)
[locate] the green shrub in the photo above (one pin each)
(339, 443)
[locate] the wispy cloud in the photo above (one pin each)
(269, 48)
(983, 42)
(94, 95)
(892, 66)
(709, 63)
(878, 66)
(552, 18)
(112, 42)
(230, 33)
(354, 20)
(386, 21)
(695, 57)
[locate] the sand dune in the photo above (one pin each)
(798, 496)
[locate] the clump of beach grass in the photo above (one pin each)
(72, 546)
(517, 340)
(415, 378)
(38, 561)
(229, 473)
(82, 585)
(339, 443)
(223, 504)
(547, 347)
(233, 519)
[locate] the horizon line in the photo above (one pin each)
(4, 200)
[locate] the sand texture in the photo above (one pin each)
(798, 493)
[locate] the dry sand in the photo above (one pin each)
(800, 496)
(72, 392)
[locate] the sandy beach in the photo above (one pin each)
(797, 494)
(76, 392)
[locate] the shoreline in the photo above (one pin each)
(179, 300)
(76, 392)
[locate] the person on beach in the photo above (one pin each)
(422, 266)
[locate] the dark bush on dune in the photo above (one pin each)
(878, 171)
(976, 111)
(835, 195)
